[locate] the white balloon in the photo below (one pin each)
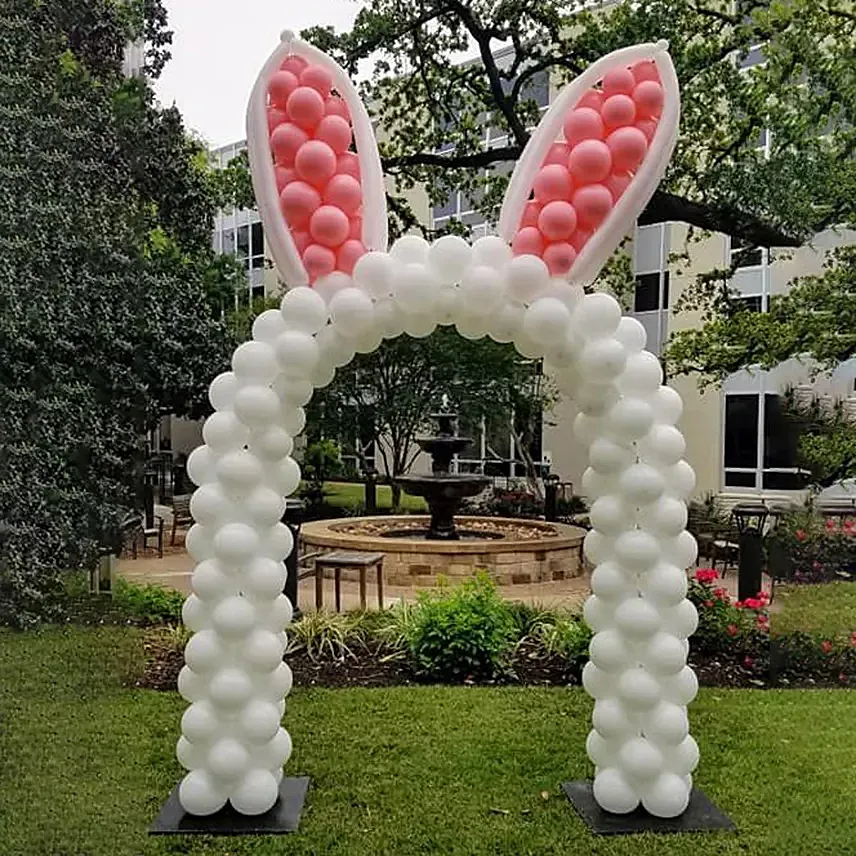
(480, 291)
(264, 578)
(683, 758)
(264, 507)
(259, 721)
(640, 758)
(294, 420)
(199, 795)
(608, 651)
(631, 334)
(256, 793)
(568, 381)
(596, 399)
(190, 757)
(294, 391)
(191, 687)
(297, 353)
(587, 428)
(278, 543)
(611, 720)
(352, 312)
(609, 457)
(209, 583)
(597, 315)
(471, 328)
(329, 285)
(680, 479)
(636, 618)
(255, 362)
(368, 340)
(234, 617)
(333, 347)
(447, 305)
(610, 516)
(668, 405)
(664, 654)
(642, 375)
(597, 683)
(221, 392)
(257, 406)
(235, 543)
(602, 360)
(410, 249)
(598, 547)
(230, 688)
(564, 354)
(420, 326)
(669, 796)
(268, 325)
(630, 418)
(598, 613)
(210, 506)
(199, 542)
(415, 288)
(638, 688)
(284, 476)
(681, 688)
(667, 725)
(228, 760)
(224, 431)
(303, 310)
(263, 650)
(546, 320)
(596, 484)
(373, 272)
(610, 583)
(199, 722)
(491, 251)
(602, 753)
(641, 484)
(637, 550)
(271, 443)
(390, 318)
(239, 471)
(681, 551)
(663, 445)
(449, 257)
(666, 517)
(201, 465)
(195, 614)
(681, 620)
(278, 683)
(613, 793)
(277, 751)
(528, 347)
(664, 585)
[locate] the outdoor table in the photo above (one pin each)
(347, 559)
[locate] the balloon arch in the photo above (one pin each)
(583, 179)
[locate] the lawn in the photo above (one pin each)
(86, 762)
(828, 609)
(353, 495)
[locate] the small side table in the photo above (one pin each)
(344, 559)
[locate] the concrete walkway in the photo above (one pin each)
(176, 567)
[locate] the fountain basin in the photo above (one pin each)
(511, 551)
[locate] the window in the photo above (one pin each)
(228, 240)
(754, 56)
(651, 297)
(652, 292)
(753, 303)
(742, 254)
(257, 291)
(759, 444)
(243, 243)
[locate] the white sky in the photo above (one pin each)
(218, 49)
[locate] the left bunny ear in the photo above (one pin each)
(572, 198)
(322, 204)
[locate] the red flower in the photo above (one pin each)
(830, 525)
(853, 638)
(763, 619)
(800, 534)
(826, 646)
(706, 575)
(848, 527)
(732, 630)
(748, 662)
(763, 623)
(764, 597)
(722, 594)
(708, 603)
(842, 678)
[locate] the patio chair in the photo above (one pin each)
(155, 531)
(181, 515)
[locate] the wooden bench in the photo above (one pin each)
(350, 560)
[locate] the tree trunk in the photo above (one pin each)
(396, 495)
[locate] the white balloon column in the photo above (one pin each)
(568, 205)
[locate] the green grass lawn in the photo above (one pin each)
(353, 495)
(85, 764)
(828, 609)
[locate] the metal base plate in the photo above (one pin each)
(283, 817)
(701, 815)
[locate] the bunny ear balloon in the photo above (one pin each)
(583, 179)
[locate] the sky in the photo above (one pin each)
(218, 48)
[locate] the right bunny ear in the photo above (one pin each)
(572, 198)
(322, 204)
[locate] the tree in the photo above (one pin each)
(106, 277)
(394, 389)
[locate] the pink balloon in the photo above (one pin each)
(336, 106)
(617, 183)
(283, 176)
(593, 204)
(527, 242)
(584, 123)
(648, 127)
(318, 261)
(648, 97)
(315, 162)
(552, 182)
(618, 110)
(579, 239)
(349, 164)
(275, 117)
(355, 232)
(301, 240)
(593, 98)
(294, 63)
(628, 147)
(590, 162)
(305, 107)
(349, 254)
(645, 69)
(329, 226)
(336, 132)
(559, 257)
(318, 77)
(344, 192)
(531, 210)
(285, 140)
(558, 153)
(298, 201)
(558, 220)
(618, 81)
(281, 85)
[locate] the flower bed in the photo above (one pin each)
(816, 549)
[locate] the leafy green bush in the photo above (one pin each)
(461, 632)
(152, 603)
(562, 635)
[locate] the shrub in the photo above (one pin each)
(562, 635)
(506, 503)
(326, 635)
(819, 550)
(151, 603)
(461, 632)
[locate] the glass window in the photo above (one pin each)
(243, 243)
(229, 241)
(649, 296)
(258, 291)
(753, 303)
(744, 254)
(780, 436)
(648, 248)
(449, 207)
(257, 244)
(741, 432)
(537, 88)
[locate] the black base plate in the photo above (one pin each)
(283, 817)
(701, 815)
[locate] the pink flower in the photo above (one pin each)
(732, 630)
(752, 603)
(748, 662)
(842, 678)
(816, 566)
(826, 646)
(830, 525)
(706, 575)
(708, 603)
(800, 534)
(853, 638)
(722, 594)
(848, 527)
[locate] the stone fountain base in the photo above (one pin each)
(513, 552)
